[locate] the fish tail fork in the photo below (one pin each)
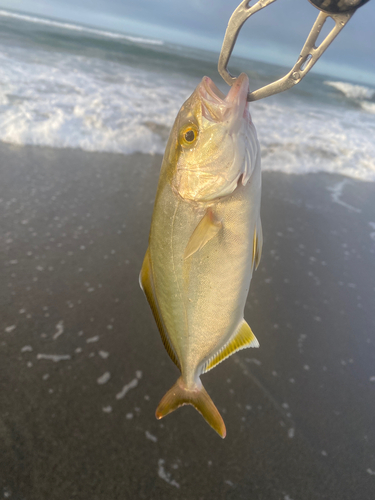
(198, 397)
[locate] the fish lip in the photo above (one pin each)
(209, 88)
(230, 107)
(239, 90)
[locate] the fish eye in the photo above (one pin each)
(188, 135)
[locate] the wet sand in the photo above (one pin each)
(82, 367)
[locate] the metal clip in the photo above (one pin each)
(308, 56)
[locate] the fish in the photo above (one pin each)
(205, 240)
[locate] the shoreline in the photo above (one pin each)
(83, 367)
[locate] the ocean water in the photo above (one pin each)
(69, 86)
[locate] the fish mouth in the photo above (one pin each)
(218, 107)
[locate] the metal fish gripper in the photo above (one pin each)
(340, 11)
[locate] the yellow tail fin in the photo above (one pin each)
(179, 395)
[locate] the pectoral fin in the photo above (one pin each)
(207, 228)
(147, 284)
(242, 339)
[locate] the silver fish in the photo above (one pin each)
(205, 240)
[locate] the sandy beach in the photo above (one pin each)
(82, 367)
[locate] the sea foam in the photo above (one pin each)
(303, 139)
(76, 102)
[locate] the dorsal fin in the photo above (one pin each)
(206, 229)
(257, 244)
(147, 284)
(242, 339)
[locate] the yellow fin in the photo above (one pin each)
(198, 397)
(257, 244)
(242, 339)
(207, 228)
(147, 285)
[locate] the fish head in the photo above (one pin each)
(213, 145)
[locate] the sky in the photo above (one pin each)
(276, 34)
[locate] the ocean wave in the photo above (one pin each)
(317, 139)
(87, 103)
(138, 39)
(83, 29)
(368, 106)
(352, 91)
(95, 104)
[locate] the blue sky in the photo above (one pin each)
(276, 34)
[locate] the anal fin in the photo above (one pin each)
(147, 285)
(207, 228)
(242, 339)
